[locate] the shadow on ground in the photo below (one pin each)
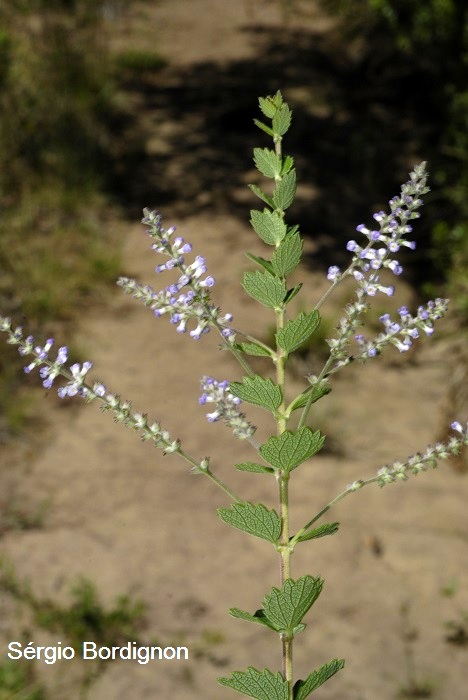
(359, 126)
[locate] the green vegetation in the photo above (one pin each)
(17, 682)
(58, 117)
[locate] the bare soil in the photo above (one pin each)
(138, 523)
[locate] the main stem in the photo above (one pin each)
(283, 483)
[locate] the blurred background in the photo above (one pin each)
(108, 106)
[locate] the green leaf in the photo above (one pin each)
(268, 290)
(254, 467)
(288, 255)
(258, 617)
(282, 120)
(266, 264)
(297, 331)
(285, 189)
(301, 400)
(322, 531)
(254, 519)
(304, 688)
(269, 226)
(288, 163)
(258, 391)
(261, 195)
(291, 293)
(264, 127)
(267, 162)
(268, 107)
(261, 685)
(254, 349)
(286, 608)
(289, 450)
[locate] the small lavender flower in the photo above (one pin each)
(391, 237)
(403, 332)
(76, 385)
(226, 407)
(367, 262)
(193, 303)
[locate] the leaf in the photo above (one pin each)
(267, 162)
(286, 608)
(266, 264)
(268, 290)
(261, 685)
(322, 531)
(258, 617)
(285, 189)
(291, 293)
(301, 400)
(254, 519)
(254, 467)
(267, 106)
(258, 391)
(288, 163)
(264, 127)
(288, 255)
(261, 195)
(297, 331)
(289, 450)
(269, 226)
(304, 688)
(282, 120)
(254, 349)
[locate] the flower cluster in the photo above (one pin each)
(226, 407)
(182, 306)
(366, 263)
(402, 333)
(75, 374)
(421, 462)
(369, 259)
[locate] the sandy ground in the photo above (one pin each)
(138, 523)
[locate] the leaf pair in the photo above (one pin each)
(264, 685)
(284, 609)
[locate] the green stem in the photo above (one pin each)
(199, 468)
(306, 409)
(356, 486)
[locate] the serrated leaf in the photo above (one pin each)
(304, 688)
(256, 520)
(288, 255)
(258, 617)
(282, 120)
(261, 195)
(254, 349)
(269, 226)
(254, 467)
(267, 106)
(261, 685)
(301, 400)
(291, 293)
(297, 331)
(288, 163)
(285, 189)
(258, 391)
(286, 607)
(267, 162)
(289, 450)
(322, 531)
(263, 287)
(264, 127)
(266, 264)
